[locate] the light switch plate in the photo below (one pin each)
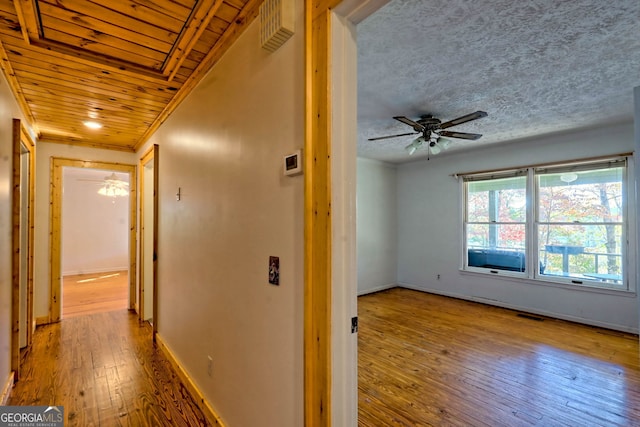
(293, 163)
(274, 270)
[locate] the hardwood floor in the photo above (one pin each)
(424, 360)
(427, 360)
(104, 369)
(84, 294)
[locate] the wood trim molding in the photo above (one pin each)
(22, 143)
(151, 155)
(148, 155)
(201, 16)
(247, 15)
(156, 212)
(58, 139)
(55, 277)
(317, 214)
(26, 139)
(6, 390)
(15, 252)
(30, 26)
(16, 89)
(42, 320)
(28, 18)
(198, 397)
(55, 226)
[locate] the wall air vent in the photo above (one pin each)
(276, 23)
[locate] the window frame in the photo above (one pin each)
(531, 250)
(519, 172)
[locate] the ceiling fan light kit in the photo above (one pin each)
(112, 186)
(415, 144)
(444, 143)
(112, 191)
(432, 130)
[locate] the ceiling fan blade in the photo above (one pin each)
(461, 135)
(415, 125)
(463, 119)
(392, 136)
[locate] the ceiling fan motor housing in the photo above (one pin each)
(429, 123)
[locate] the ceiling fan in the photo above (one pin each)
(111, 185)
(432, 131)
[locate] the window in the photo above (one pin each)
(496, 222)
(567, 220)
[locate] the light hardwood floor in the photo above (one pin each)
(84, 294)
(424, 360)
(104, 369)
(427, 360)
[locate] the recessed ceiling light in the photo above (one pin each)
(92, 125)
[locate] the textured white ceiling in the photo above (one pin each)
(535, 66)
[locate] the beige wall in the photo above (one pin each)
(223, 147)
(44, 152)
(8, 111)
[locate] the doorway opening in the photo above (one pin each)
(23, 182)
(95, 250)
(93, 207)
(148, 219)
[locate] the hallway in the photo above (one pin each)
(104, 370)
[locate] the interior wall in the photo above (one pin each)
(377, 225)
(44, 152)
(8, 111)
(430, 234)
(636, 126)
(222, 150)
(95, 228)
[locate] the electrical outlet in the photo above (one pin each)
(209, 365)
(438, 277)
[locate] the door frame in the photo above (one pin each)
(150, 156)
(22, 143)
(636, 124)
(55, 227)
(330, 304)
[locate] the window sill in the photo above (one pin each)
(522, 278)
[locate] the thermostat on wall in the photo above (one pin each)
(293, 163)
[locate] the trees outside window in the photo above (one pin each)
(573, 227)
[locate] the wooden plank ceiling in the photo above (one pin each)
(125, 64)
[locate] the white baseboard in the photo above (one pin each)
(204, 405)
(6, 390)
(94, 271)
(376, 289)
(503, 304)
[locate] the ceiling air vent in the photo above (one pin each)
(276, 23)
